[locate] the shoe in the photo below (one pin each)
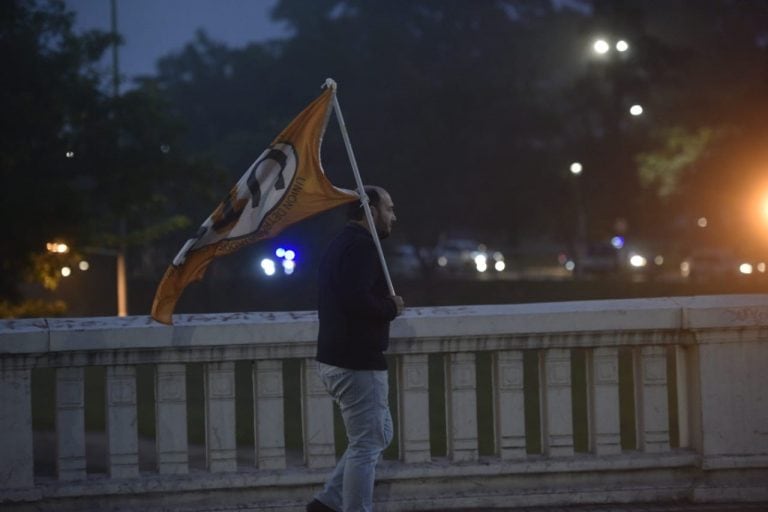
(318, 506)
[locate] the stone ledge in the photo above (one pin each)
(678, 314)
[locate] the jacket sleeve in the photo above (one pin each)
(360, 269)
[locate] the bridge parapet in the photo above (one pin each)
(576, 402)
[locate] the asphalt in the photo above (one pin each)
(636, 507)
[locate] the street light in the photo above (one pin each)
(576, 168)
(601, 47)
(581, 243)
(622, 46)
(636, 110)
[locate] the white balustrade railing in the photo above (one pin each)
(637, 400)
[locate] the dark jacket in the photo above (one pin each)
(354, 305)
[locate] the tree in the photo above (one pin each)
(73, 159)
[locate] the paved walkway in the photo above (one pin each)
(636, 507)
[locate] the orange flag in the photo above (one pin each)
(284, 185)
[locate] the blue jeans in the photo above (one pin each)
(362, 398)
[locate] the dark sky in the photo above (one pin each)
(153, 28)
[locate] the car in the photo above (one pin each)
(467, 256)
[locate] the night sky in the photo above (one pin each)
(153, 28)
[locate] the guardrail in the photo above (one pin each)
(558, 403)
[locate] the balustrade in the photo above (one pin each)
(651, 331)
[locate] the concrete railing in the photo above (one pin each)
(559, 403)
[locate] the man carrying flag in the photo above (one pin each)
(284, 185)
(355, 309)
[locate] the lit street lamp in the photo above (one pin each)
(576, 168)
(636, 110)
(581, 244)
(601, 47)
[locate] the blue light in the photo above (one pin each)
(290, 255)
(617, 242)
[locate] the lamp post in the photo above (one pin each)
(576, 169)
(122, 285)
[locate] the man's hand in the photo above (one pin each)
(398, 300)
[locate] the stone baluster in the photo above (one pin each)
(557, 423)
(122, 422)
(70, 423)
(509, 404)
(268, 414)
(603, 382)
(16, 456)
(319, 446)
(171, 417)
(220, 443)
(652, 404)
(683, 407)
(461, 387)
(414, 408)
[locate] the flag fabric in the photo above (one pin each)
(283, 186)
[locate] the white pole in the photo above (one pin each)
(360, 188)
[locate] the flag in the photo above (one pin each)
(283, 186)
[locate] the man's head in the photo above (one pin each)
(382, 210)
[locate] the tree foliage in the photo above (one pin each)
(469, 112)
(75, 162)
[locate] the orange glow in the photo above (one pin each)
(765, 208)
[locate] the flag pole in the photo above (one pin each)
(360, 188)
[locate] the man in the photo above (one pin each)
(355, 310)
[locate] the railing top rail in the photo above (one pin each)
(670, 314)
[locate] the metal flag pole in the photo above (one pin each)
(360, 188)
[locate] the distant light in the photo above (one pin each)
(636, 110)
(622, 46)
(66, 271)
(57, 247)
(761, 267)
(702, 222)
(601, 46)
(659, 260)
(497, 256)
(685, 269)
(576, 168)
(442, 261)
(500, 266)
(290, 255)
(617, 242)
(481, 263)
(570, 265)
(268, 266)
(637, 261)
(289, 266)
(280, 252)
(745, 268)
(165, 148)
(84, 265)
(70, 154)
